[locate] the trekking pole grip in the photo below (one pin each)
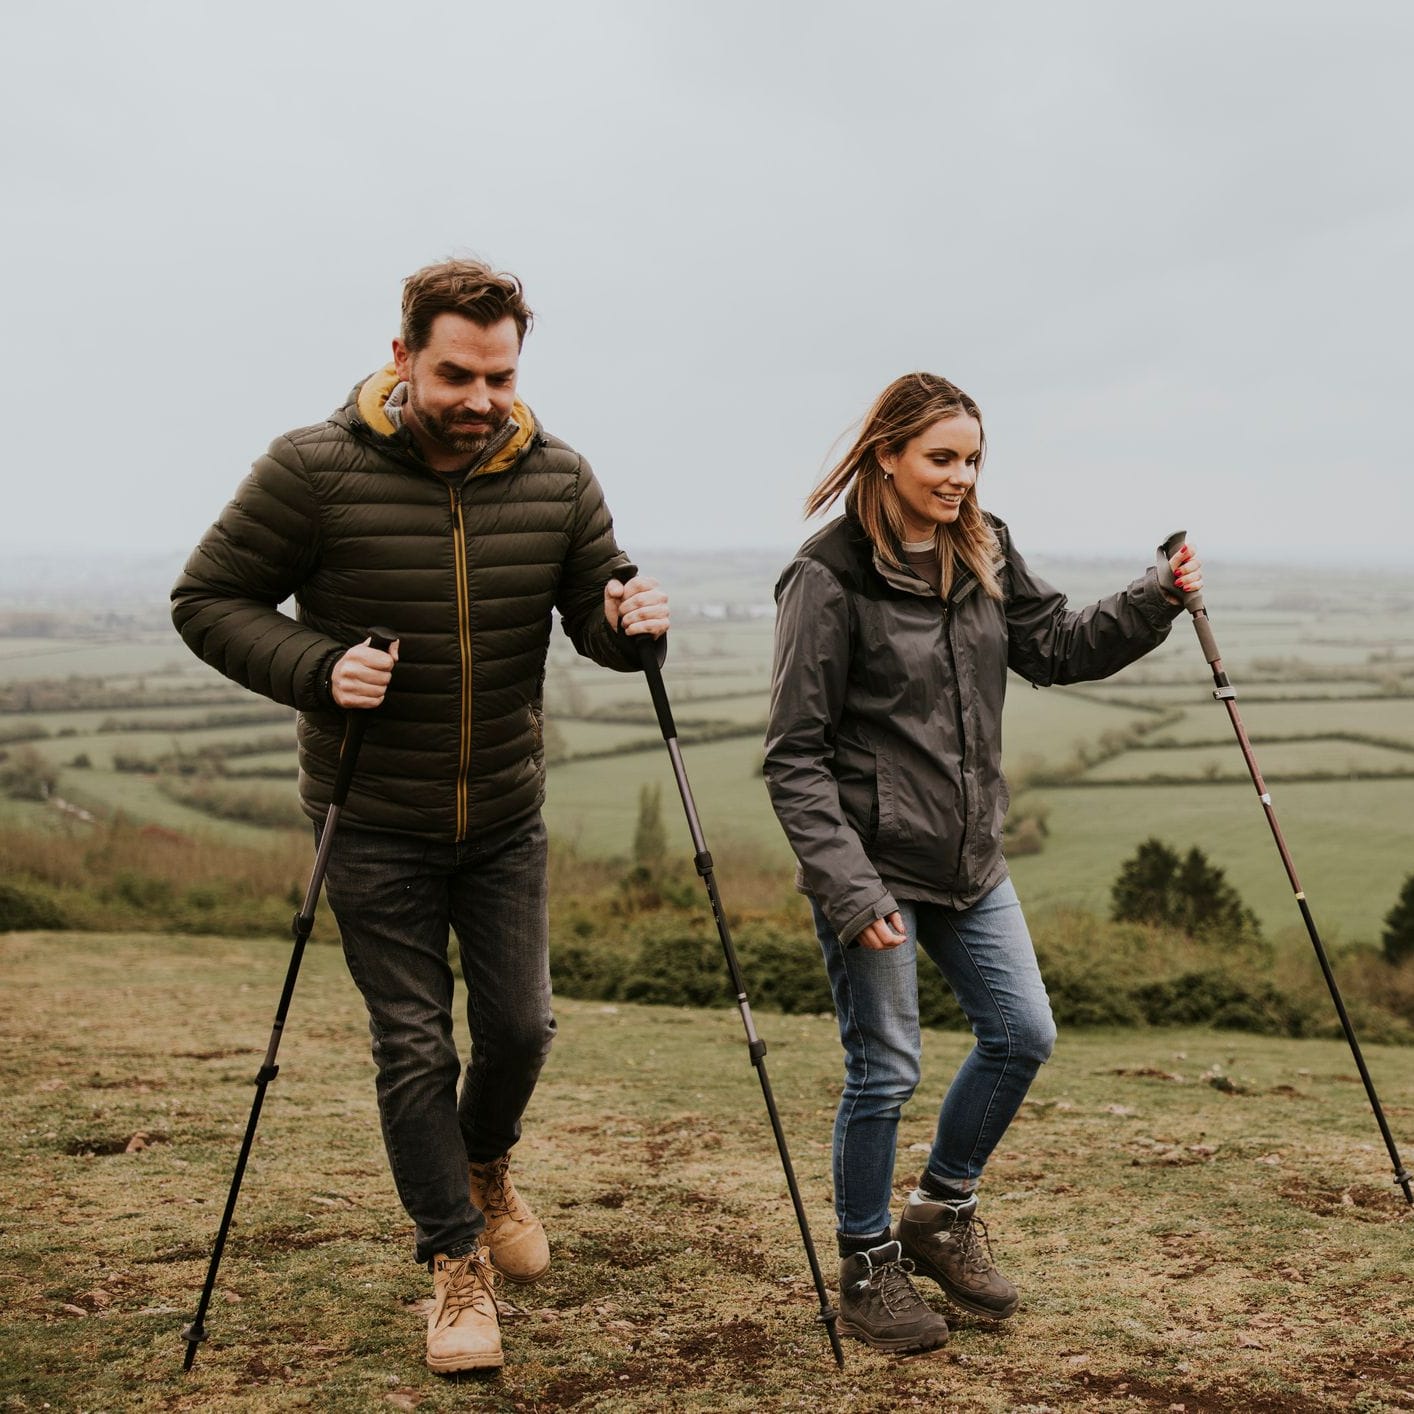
(1192, 602)
(355, 723)
(651, 653)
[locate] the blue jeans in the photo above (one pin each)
(985, 954)
(395, 898)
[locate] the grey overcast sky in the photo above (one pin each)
(1167, 248)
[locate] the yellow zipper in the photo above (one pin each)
(464, 643)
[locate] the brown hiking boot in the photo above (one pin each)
(463, 1326)
(948, 1242)
(879, 1306)
(513, 1233)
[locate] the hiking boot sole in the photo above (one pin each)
(964, 1302)
(519, 1278)
(900, 1345)
(455, 1364)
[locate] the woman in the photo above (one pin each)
(896, 626)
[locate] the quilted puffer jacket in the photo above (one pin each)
(348, 519)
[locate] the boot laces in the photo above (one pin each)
(896, 1291)
(471, 1283)
(499, 1194)
(976, 1254)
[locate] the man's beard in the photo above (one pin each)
(449, 429)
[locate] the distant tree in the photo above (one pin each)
(26, 775)
(1192, 893)
(1206, 904)
(1398, 937)
(650, 840)
(1143, 892)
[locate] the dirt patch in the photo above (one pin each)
(138, 1083)
(105, 1148)
(1180, 1394)
(1361, 1201)
(740, 1342)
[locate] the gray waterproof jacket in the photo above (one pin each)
(347, 518)
(884, 746)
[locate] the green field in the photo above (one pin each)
(1276, 759)
(1197, 1220)
(1326, 667)
(1352, 841)
(1389, 719)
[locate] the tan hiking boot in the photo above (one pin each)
(513, 1233)
(463, 1326)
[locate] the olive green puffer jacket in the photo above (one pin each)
(345, 517)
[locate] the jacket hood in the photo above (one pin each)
(367, 402)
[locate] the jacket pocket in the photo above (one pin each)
(892, 823)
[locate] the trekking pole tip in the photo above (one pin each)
(827, 1317)
(193, 1335)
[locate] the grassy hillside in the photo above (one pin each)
(1197, 1220)
(1326, 684)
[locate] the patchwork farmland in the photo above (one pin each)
(118, 717)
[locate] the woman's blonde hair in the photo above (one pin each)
(907, 407)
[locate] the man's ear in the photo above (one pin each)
(402, 359)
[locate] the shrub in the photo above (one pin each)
(1155, 886)
(26, 775)
(675, 964)
(1081, 997)
(26, 910)
(650, 840)
(782, 968)
(1218, 997)
(1397, 940)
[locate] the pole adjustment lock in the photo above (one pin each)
(266, 1074)
(703, 862)
(1225, 694)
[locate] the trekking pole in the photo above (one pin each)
(648, 657)
(1225, 693)
(355, 723)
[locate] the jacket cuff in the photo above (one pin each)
(1154, 603)
(323, 679)
(880, 908)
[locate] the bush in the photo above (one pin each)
(782, 969)
(26, 775)
(584, 970)
(1080, 998)
(676, 964)
(1218, 997)
(1397, 939)
(1155, 886)
(25, 911)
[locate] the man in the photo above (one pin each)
(432, 502)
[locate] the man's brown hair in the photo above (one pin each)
(465, 287)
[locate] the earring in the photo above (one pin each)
(888, 476)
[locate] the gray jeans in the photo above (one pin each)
(395, 898)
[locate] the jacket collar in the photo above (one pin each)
(910, 583)
(371, 399)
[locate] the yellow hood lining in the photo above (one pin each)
(375, 393)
